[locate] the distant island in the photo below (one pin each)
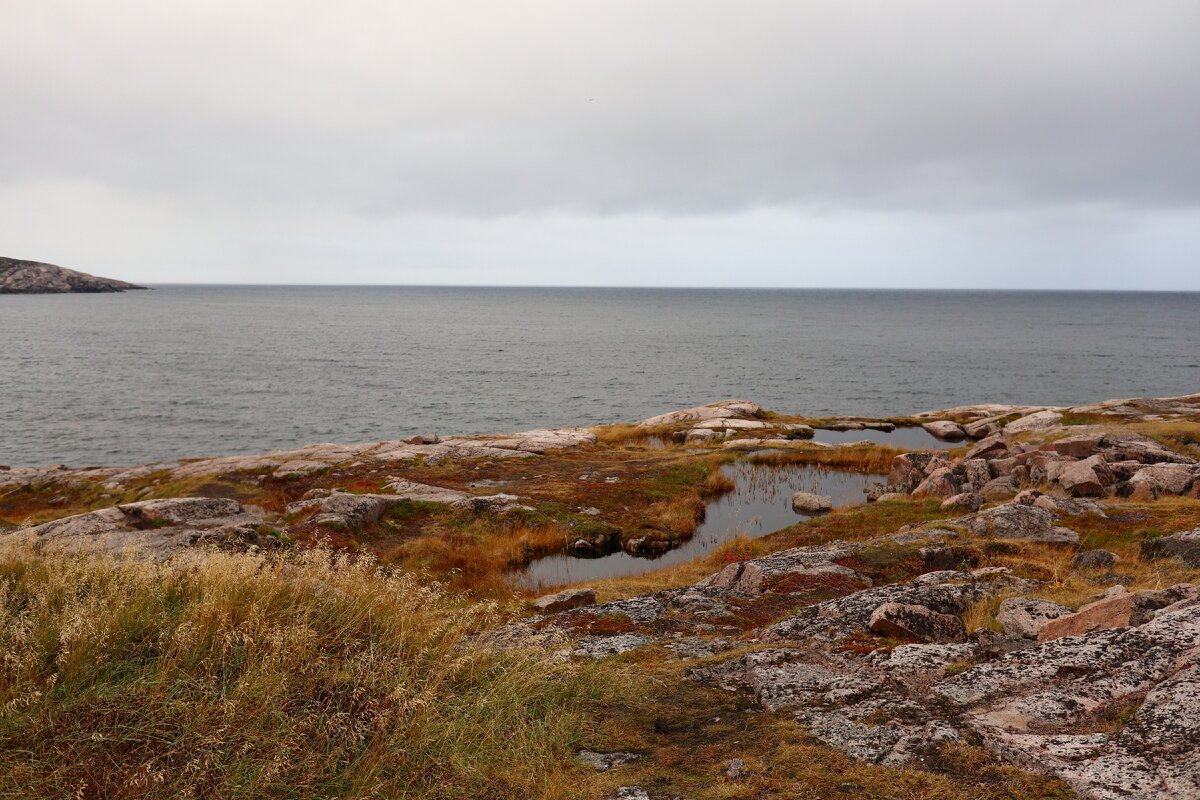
(33, 277)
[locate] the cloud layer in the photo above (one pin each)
(431, 143)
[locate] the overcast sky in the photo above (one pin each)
(929, 144)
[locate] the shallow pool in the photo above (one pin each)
(760, 504)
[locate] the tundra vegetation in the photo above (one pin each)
(379, 646)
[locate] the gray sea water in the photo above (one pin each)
(208, 370)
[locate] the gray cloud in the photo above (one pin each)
(266, 121)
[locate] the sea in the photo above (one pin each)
(190, 371)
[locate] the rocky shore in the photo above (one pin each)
(33, 277)
(1032, 593)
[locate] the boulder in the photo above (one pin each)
(983, 428)
(1184, 546)
(1073, 507)
(1037, 421)
(1000, 488)
(993, 446)
(976, 471)
(346, 509)
(1088, 478)
(797, 566)
(1155, 480)
(971, 501)
(700, 435)
(809, 503)
(945, 429)
(1078, 446)
(1026, 616)
(1002, 466)
(909, 469)
(1116, 611)
(1016, 521)
(916, 623)
(942, 482)
(564, 600)
(1094, 560)
(949, 557)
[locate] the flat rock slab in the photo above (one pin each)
(564, 600)
(155, 529)
(723, 409)
(1019, 521)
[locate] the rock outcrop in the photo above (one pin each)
(154, 529)
(33, 277)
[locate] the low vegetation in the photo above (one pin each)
(238, 676)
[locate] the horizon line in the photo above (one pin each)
(996, 289)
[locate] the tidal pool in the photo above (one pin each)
(760, 504)
(911, 438)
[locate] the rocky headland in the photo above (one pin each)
(33, 277)
(1019, 609)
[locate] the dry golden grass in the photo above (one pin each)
(239, 676)
(872, 459)
(624, 434)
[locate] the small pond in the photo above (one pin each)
(911, 438)
(761, 504)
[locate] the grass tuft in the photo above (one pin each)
(234, 676)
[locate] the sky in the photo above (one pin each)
(924, 144)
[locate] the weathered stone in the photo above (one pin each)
(913, 622)
(983, 428)
(809, 503)
(724, 409)
(1078, 446)
(1037, 421)
(564, 600)
(1094, 560)
(1155, 480)
(155, 529)
(909, 469)
(181, 510)
(970, 501)
(1118, 611)
(1073, 507)
(603, 762)
(1026, 616)
(1000, 488)
(629, 793)
(1002, 466)
(1088, 478)
(345, 509)
(976, 472)
(598, 647)
(795, 566)
(941, 482)
(1015, 521)
(993, 446)
(1184, 546)
(945, 429)
(944, 558)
